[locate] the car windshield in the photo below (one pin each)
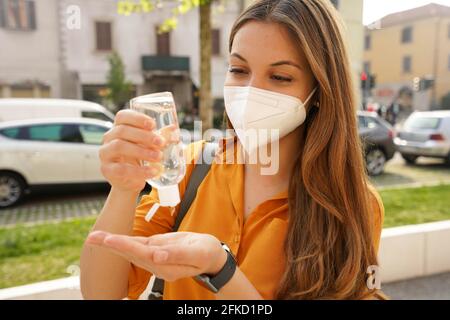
(422, 123)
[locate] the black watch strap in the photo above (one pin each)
(215, 283)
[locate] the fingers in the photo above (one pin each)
(135, 119)
(120, 148)
(98, 237)
(143, 137)
(128, 245)
(177, 259)
(170, 133)
(166, 238)
(122, 172)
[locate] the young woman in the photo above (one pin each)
(309, 231)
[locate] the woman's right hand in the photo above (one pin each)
(125, 145)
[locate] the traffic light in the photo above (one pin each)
(372, 81)
(422, 84)
(368, 81)
(363, 80)
(416, 84)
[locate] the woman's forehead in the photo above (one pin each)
(266, 41)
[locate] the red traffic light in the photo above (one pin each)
(363, 76)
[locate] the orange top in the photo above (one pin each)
(218, 210)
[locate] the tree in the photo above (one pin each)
(182, 7)
(119, 90)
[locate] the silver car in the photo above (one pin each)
(425, 134)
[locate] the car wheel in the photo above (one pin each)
(409, 158)
(375, 162)
(12, 189)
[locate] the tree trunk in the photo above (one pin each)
(206, 103)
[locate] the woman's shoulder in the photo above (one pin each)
(377, 208)
(376, 201)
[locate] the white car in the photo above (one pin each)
(42, 152)
(32, 108)
(425, 134)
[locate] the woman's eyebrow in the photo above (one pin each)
(237, 55)
(286, 62)
(276, 64)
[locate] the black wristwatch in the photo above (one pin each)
(215, 283)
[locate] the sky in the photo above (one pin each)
(376, 9)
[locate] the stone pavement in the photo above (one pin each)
(51, 211)
(436, 287)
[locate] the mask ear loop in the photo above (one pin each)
(310, 96)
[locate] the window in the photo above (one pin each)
(162, 43)
(367, 42)
(422, 123)
(96, 115)
(367, 67)
(407, 35)
(216, 42)
(103, 36)
(407, 64)
(51, 133)
(45, 133)
(12, 133)
(18, 14)
(92, 134)
(367, 122)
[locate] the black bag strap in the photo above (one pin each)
(198, 174)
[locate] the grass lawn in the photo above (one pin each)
(44, 252)
(416, 205)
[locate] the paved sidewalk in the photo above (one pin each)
(51, 211)
(435, 287)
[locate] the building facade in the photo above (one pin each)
(409, 53)
(153, 61)
(63, 50)
(29, 49)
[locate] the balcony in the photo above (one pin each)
(165, 65)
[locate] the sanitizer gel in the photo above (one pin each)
(161, 107)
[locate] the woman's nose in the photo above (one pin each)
(257, 82)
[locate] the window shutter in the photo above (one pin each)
(162, 43)
(103, 35)
(31, 10)
(2, 14)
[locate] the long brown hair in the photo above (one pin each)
(330, 242)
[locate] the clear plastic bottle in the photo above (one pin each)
(161, 107)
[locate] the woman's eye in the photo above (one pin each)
(236, 70)
(281, 78)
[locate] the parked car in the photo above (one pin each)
(377, 136)
(31, 108)
(425, 134)
(43, 152)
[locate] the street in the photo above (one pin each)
(425, 171)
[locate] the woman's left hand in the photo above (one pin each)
(169, 256)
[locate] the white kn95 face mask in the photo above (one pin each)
(256, 113)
